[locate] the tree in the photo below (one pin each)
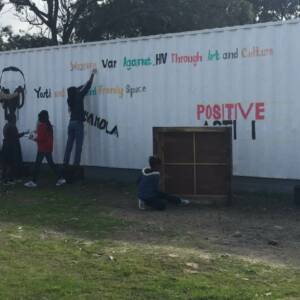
(58, 17)
(129, 18)
(91, 20)
(1, 30)
(275, 10)
(11, 41)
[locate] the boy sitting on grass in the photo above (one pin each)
(148, 188)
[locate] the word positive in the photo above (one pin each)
(231, 111)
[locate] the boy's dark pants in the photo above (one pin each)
(9, 164)
(159, 202)
(8, 171)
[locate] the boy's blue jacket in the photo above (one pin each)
(148, 184)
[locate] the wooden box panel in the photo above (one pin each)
(195, 161)
(211, 148)
(178, 147)
(179, 179)
(212, 180)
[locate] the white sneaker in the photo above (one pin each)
(185, 202)
(141, 204)
(60, 182)
(30, 184)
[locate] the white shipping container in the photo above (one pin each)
(245, 77)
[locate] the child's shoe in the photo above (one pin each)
(60, 182)
(141, 204)
(185, 202)
(30, 184)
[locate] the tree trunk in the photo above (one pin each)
(54, 40)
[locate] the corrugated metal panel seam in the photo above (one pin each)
(161, 36)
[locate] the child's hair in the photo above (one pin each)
(72, 91)
(44, 118)
(154, 161)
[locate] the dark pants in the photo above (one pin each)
(8, 171)
(18, 161)
(159, 202)
(10, 162)
(75, 134)
(39, 159)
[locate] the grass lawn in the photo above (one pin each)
(78, 242)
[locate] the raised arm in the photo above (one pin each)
(85, 88)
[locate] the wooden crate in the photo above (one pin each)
(196, 162)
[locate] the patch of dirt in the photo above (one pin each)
(256, 229)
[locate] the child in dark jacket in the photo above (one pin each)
(148, 188)
(11, 150)
(44, 139)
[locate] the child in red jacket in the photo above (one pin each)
(44, 139)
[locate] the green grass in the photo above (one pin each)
(66, 244)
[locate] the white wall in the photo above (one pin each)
(262, 89)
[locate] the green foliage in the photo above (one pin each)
(11, 41)
(130, 18)
(89, 20)
(276, 10)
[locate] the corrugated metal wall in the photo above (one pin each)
(245, 77)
